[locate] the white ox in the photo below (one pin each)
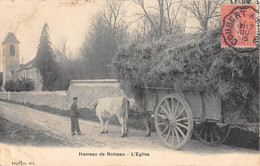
(106, 107)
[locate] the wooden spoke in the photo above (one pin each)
(216, 133)
(176, 108)
(179, 124)
(163, 123)
(168, 107)
(162, 116)
(173, 112)
(206, 134)
(172, 137)
(201, 130)
(177, 135)
(211, 136)
(164, 130)
(220, 129)
(164, 110)
(168, 135)
(182, 134)
(180, 113)
(181, 119)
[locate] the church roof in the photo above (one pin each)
(10, 38)
(28, 65)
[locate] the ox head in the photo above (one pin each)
(134, 106)
(92, 106)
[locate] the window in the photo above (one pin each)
(12, 74)
(12, 50)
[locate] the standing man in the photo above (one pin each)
(74, 114)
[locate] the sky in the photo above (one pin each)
(25, 18)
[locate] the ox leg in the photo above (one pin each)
(147, 123)
(106, 126)
(102, 124)
(126, 118)
(121, 120)
(125, 127)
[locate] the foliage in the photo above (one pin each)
(71, 68)
(62, 82)
(191, 63)
(19, 85)
(45, 61)
(24, 84)
(107, 33)
(9, 86)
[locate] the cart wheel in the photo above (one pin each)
(173, 121)
(211, 133)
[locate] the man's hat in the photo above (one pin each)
(75, 98)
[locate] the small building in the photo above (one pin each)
(12, 69)
(29, 71)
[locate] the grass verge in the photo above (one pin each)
(13, 133)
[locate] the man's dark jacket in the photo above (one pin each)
(74, 110)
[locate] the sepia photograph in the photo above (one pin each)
(129, 82)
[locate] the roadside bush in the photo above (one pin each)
(29, 85)
(9, 86)
(19, 85)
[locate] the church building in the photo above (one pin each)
(12, 69)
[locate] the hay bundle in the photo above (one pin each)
(192, 62)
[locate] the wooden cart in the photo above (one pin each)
(178, 114)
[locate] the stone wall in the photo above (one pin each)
(58, 99)
(88, 92)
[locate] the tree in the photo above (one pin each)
(45, 61)
(107, 33)
(72, 66)
(161, 19)
(204, 11)
(69, 66)
(113, 15)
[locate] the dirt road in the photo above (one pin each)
(59, 127)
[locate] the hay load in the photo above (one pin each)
(192, 63)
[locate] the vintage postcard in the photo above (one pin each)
(129, 82)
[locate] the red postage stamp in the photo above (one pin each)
(239, 27)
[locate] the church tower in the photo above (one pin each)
(11, 62)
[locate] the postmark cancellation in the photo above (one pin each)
(239, 26)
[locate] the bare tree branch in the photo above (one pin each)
(205, 11)
(162, 18)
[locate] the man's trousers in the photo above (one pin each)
(75, 125)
